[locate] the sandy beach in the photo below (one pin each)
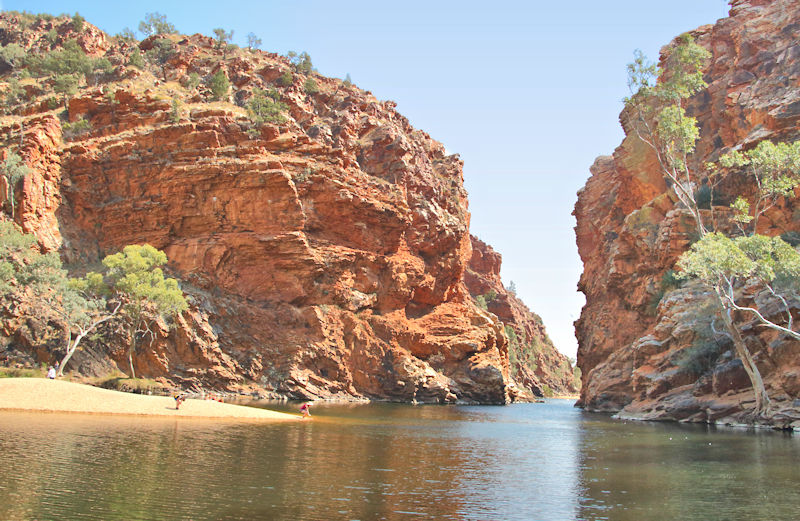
(40, 394)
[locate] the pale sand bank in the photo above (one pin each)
(40, 394)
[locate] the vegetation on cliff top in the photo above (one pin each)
(57, 65)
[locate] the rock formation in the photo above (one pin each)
(640, 349)
(536, 364)
(323, 255)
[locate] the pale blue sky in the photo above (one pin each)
(527, 92)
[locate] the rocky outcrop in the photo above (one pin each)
(323, 256)
(536, 365)
(641, 344)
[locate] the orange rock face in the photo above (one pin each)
(536, 365)
(636, 330)
(322, 257)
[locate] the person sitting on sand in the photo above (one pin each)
(179, 399)
(51, 373)
(306, 409)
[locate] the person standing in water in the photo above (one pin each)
(306, 410)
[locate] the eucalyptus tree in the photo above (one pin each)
(134, 278)
(742, 272)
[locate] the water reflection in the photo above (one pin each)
(369, 462)
(635, 471)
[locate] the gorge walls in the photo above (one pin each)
(641, 349)
(323, 254)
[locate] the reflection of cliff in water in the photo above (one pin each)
(632, 471)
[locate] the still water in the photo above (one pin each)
(370, 462)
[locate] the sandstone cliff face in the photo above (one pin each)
(536, 365)
(323, 257)
(636, 326)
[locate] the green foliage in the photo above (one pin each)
(348, 82)
(66, 84)
(13, 170)
(490, 295)
(775, 168)
(156, 23)
(222, 37)
(522, 353)
(310, 86)
(27, 273)
(135, 276)
(716, 257)
(286, 79)
(642, 77)
(674, 134)
(301, 62)
(127, 35)
(110, 96)
(678, 133)
(52, 36)
(741, 210)
(132, 278)
(577, 374)
(253, 41)
(219, 85)
(77, 23)
(264, 107)
(706, 346)
(161, 53)
(13, 372)
(13, 54)
(512, 288)
(480, 300)
(175, 112)
(792, 238)
(193, 81)
(69, 60)
(135, 273)
(670, 280)
(15, 93)
(132, 385)
(136, 59)
(75, 129)
(704, 196)
(683, 70)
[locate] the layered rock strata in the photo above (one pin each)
(639, 327)
(323, 256)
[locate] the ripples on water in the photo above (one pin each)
(370, 462)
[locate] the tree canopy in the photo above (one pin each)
(156, 23)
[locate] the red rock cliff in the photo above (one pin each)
(323, 257)
(634, 329)
(536, 364)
